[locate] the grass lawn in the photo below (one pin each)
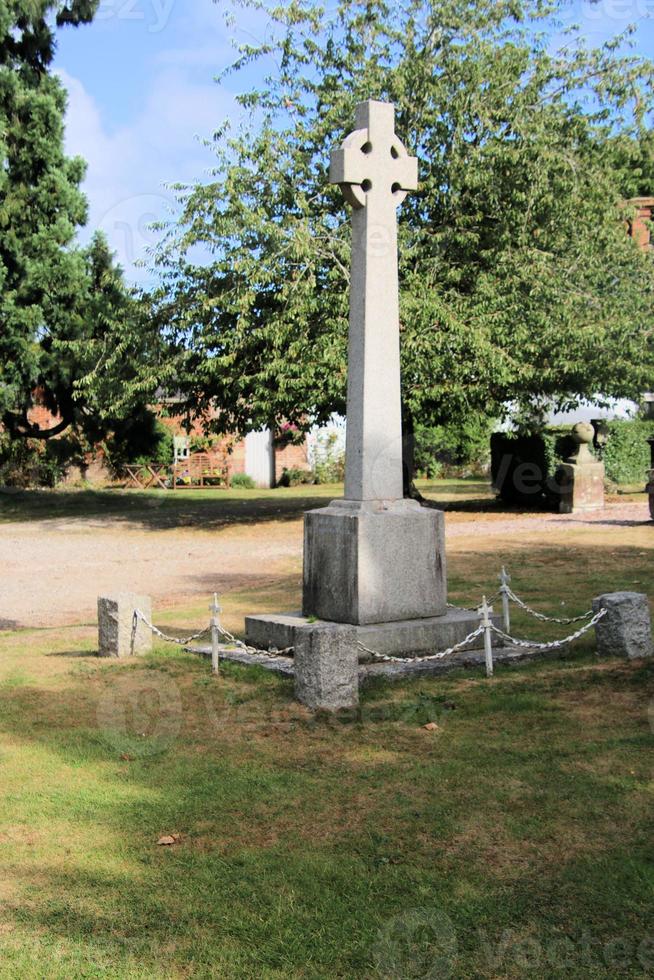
(514, 841)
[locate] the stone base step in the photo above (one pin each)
(405, 638)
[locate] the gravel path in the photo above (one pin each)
(53, 570)
(612, 517)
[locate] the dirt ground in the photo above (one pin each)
(54, 569)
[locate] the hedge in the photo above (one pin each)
(523, 467)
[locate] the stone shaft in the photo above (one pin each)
(581, 486)
(374, 172)
(373, 469)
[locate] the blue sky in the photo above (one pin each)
(142, 95)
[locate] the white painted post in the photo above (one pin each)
(215, 634)
(484, 614)
(505, 578)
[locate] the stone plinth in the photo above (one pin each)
(118, 634)
(327, 667)
(626, 629)
(404, 638)
(374, 563)
(581, 487)
(581, 478)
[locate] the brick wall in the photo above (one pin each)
(292, 457)
(639, 227)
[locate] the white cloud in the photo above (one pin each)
(128, 168)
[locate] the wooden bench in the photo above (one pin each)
(200, 471)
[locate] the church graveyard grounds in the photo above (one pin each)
(514, 839)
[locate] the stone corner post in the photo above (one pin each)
(119, 633)
(625, 630)
(327, 667)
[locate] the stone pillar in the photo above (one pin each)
(118, 634)
(581, 478)
(327, 667)
(626, 629)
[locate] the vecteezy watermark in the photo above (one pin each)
(140, 716)
(623, 11)
(153, 14)
(422, 943)
(419, 943)
(129, 226)
(534, 955)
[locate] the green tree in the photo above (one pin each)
(95, 364)
(518, 282)
(41, 206)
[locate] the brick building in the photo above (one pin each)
(257, 454)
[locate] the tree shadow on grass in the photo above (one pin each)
(158, 511)
(165, 510)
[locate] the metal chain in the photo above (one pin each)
(387, 658)
(182, 641)
(489, 600)
(254, 650)
(547, 619)
(533, 644)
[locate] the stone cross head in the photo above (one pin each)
(372, 166)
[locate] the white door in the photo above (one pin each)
(260, 457)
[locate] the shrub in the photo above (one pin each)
(142, 438)
(34, 463)
(242, 481)
(294, 478)
(443, 448)
(329, 458)
(626, 454)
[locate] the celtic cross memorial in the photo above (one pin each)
(374, 557)
(374, 172)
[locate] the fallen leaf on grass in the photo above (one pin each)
(169, 839)
(431, 726)
(126, 757)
